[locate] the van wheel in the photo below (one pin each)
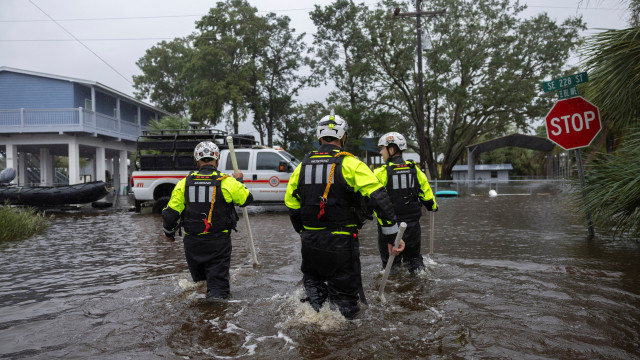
(160, 204)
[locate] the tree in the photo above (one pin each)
(298, 128)
(482, 73)
(343, 52)
(228, 42)
(277, 79)
(169, 122)
(162, 81)
(612, 188)
(235, 63)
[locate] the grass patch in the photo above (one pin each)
(20, 223)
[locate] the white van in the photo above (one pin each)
(266, 172)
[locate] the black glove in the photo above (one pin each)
(429, 205)
(296, 220)
(391, 239)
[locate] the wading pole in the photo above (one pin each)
(244, 209)
(432, 230)
(387, 269)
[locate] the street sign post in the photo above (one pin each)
(572, 124)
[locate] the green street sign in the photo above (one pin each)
(565, 82)
(567, 93)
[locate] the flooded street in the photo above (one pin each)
(512, 277)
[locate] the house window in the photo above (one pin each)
(88, 105)
(494, 174)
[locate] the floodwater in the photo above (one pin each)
(512, 277)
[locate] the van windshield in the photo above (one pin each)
(295, 162)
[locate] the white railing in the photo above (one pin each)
(75, 119)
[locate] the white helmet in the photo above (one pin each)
(206, 149)
(393, 138)
(333, 126)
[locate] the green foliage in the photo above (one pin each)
(343, 52)
(276, 78)
(20, 223)
(163, 81)
(482, 73)
(236, 62)
(299, 128)
(169, 122)
(613, 59)
(525, 162)
(613, 188)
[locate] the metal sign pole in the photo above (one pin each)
(584, 191)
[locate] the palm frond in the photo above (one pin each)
(613, 188)
(613, 63)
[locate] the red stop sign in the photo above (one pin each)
(573, 123)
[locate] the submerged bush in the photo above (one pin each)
(20, 223)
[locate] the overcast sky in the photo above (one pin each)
(101, 40)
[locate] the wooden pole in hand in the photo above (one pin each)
(387, 270)
(244, 209)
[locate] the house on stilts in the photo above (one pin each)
(44, 115)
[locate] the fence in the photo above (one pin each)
(507, 187)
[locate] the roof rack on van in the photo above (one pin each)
(172, 149)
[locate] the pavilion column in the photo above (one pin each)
(74, 162)
(471, 169)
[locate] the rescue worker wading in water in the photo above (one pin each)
(409, 189)
(204, 200)
(323, 194)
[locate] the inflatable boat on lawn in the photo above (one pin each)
(43, 196)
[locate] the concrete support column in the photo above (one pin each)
(46, 167)
(549, 165)
(90, 170)
(12, 159)
(100, 164)
(74, 162)
(23, 178)
(122, 170)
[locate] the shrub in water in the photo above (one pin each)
(20, 223)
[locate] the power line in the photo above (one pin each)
(102, 39)
(81, 43)
(261, 11)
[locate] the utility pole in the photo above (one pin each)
(418, 14)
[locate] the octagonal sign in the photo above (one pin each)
(573, 123)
